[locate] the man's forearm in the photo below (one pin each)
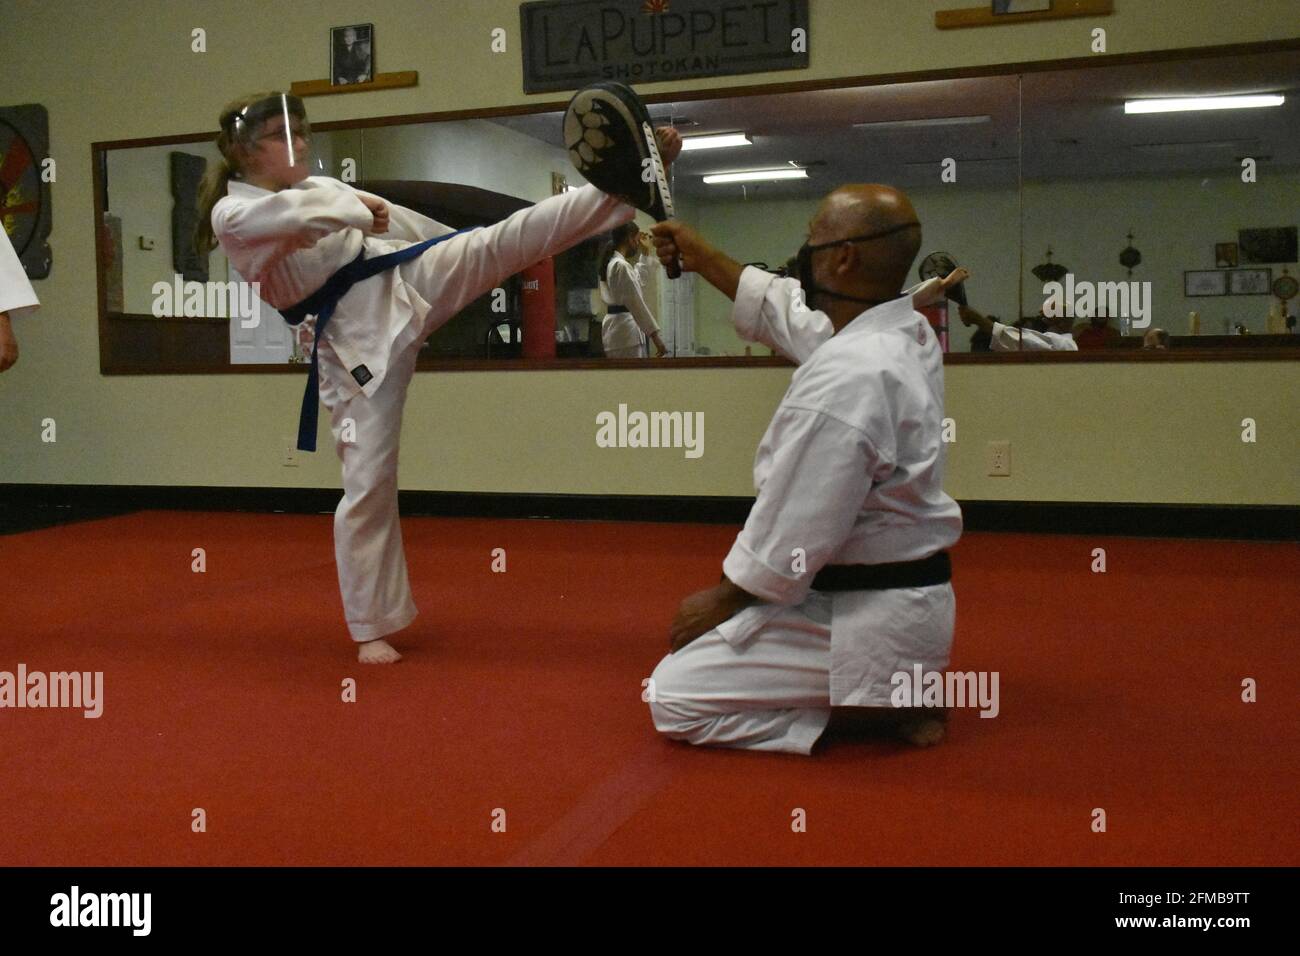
(8, 343)
(977, 319)
(720, 271)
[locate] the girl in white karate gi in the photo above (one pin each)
(291, 232)
(629, 321)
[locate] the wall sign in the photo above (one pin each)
(570, 43)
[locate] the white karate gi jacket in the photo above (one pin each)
(625, 285)
(850, 471)
(293, 240)
(16, 294)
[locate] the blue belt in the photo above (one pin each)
(322, 303)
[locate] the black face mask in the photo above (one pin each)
(804, 259)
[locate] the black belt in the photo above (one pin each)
(936, 569)
(615, 308)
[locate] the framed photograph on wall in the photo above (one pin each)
(1205, 282)
(1268, 245)
(1249, 281)
(352, 54)
(1225, 255)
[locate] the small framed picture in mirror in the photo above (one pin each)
(352, 54)
(1205, 282)
(1225, 255)
(1250, 281)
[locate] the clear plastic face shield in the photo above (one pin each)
(276, 137)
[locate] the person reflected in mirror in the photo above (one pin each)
(1036, 335)
(625, 269)
(1155, 340)
(1096, 333)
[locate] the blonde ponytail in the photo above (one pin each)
(216, 180)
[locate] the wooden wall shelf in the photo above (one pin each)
(984, 16)
(382, 81)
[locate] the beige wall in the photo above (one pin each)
(105, 74)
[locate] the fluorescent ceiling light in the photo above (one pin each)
(925, 123)
(715, 141)
(1189, 147)
(757, 175)
(1202, 103)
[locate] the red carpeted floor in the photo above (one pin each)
(521, 691)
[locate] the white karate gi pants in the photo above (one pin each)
(773, 686)
(772, 692)
(621, 337)
(635, 351)
(368, 552)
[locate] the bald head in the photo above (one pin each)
(863, 208)
(1155, 339)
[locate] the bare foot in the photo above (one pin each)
(922, 731)
(377, 652)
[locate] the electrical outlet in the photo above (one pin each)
(998, 454)
(290, 459)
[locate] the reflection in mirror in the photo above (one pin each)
(477, 172)
(1173, 220)
(639, 312)
(153, 266)
(951, 146)
(900, 134)
(1208, 198)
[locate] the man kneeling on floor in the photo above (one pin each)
(839, 579)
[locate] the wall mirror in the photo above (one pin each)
(1019, 178)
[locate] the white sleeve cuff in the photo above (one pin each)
(926, 293)
(744, 569)
(751, 293)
